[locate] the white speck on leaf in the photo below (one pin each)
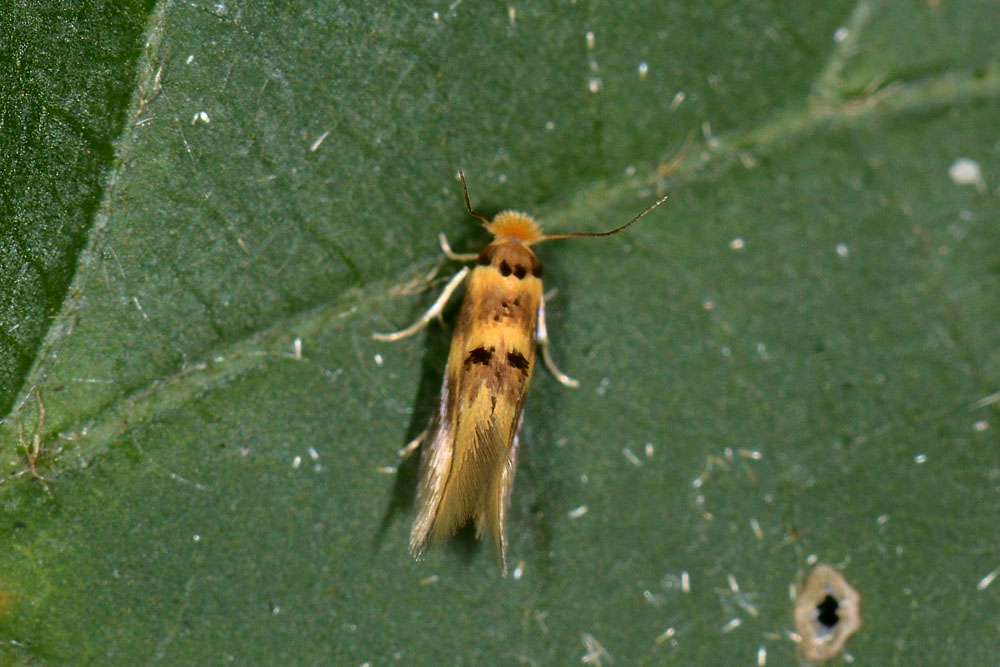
(987, 580)
(319, 140)
(965, 171)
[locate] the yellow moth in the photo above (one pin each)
(467, 467)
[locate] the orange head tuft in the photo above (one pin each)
(515, 226)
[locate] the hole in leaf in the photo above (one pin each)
(827, 612)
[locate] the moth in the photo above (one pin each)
(467, 465)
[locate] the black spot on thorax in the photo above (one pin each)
(510, 258)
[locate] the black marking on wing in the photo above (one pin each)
(480, 355)
(518, 361)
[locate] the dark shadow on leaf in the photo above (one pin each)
(465, 544)
(537, 488)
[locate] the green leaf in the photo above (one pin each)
(793, 360)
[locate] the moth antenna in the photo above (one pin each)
(550, 237)
(468, 205)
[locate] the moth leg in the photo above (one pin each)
(411, 446)
(417, 285)
(542, 337)
(451, 254)
(31, 453)
(434, 311)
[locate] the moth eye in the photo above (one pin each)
(518, 361)
(486, 256)
(536, 268)
(519, 271)
(505, 269)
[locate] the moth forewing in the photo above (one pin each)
(470, 448)
(467, 472)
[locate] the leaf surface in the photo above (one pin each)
(779, 366)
